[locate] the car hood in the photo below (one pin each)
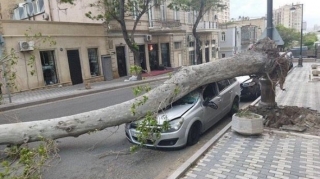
(173, 112)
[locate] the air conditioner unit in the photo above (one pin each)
(26, 46)
(148, 38)
(45, 16)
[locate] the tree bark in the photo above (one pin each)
(185, 80)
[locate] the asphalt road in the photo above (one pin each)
(104, 154)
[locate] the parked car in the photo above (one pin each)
(192, 114)
(250, 86)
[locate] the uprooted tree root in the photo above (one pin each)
(278, 66)
(289, 115)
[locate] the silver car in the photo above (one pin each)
(192, 115)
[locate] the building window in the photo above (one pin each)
(163, 12)
(213, 41)
(189, 17)
(135, 9)
(150, 14)
(28, 9)
(48, 67)
(191, 57)
(223, 55)
(223, 36)
(191, 44)
(38, 6)
(177, 45)
(176, 14)
(93, 61)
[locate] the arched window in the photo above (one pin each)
(223, 36)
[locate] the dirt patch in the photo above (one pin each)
(293, 117)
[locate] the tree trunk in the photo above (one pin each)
(195, 34)
(185, 80)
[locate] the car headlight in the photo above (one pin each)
(252, 83)
(175, 125)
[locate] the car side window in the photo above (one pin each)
(223, 84)
(209, 92)
(232, 80)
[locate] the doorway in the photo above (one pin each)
(121, 61)
(107, 67)
(142, 57)
(153, 56)
(74, 66)
(207, 54)
(165, 54)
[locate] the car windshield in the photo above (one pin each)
(190, 98)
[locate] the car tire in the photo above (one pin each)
(235, 106)
(193, 134)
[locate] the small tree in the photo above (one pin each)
(309, 39)
(288, 35)
(199, 8)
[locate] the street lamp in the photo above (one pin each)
(292, 9)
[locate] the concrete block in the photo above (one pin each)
(315, 72)
(314, 66)
(247, 124)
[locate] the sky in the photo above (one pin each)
(258, 8)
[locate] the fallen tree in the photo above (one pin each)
(263, 58)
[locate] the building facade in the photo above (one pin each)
(288, 18)
(229, 42)
(87, 50)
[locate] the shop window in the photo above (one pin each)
(93, 61)
(48, 67)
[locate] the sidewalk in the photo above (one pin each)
(40, 96)
(274, 154)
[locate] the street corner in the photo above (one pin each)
(279, 155)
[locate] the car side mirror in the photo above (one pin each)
(206, 102)
(211, 104)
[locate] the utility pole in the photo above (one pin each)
(268, 95)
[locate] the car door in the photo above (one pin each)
(210, 115)
(224, 93)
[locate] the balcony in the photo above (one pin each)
(165, 26)
(206, 26)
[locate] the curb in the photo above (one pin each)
(31, 103)
(291, 133)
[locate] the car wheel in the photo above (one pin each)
(194, 134)
(235, 106)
